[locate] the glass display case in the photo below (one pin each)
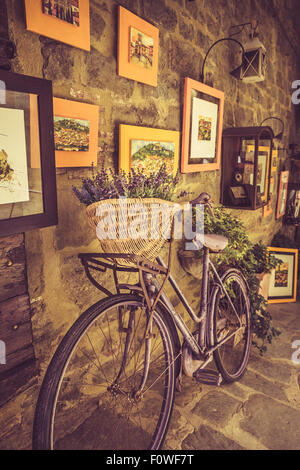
(246, 167)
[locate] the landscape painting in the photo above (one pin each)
(13, 157)
(148, 156)
(66, 10)
(71, 135)
(141, 49)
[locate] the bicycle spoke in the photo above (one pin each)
(101, 380)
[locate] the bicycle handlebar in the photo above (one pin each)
(203, 198)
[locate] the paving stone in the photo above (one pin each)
(271, 370)
(259, 384)
(216, 407)
(275, 425)
(206, 438)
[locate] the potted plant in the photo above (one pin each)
(254, 262)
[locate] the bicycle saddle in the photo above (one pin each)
(215, 243)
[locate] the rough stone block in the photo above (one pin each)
(206, 438)
(216, 407)
(272, 423)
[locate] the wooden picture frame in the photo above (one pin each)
(38, 206)
(88, 113)
(211, 103)
(283, 282)
(138, 43)
(282, 194)
(263, 158)
(268, 209)
(52, 27)
(136, 140)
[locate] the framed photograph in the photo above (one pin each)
(75, 133)
(292, 213)
(202, 127)
(138, 43)
(263, 163)
(238, 195)
(282, 194)
(27, 193)
(268, 209)
(66, 21)
(148, 149)
(283, 284)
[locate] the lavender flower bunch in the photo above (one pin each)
(107, 184)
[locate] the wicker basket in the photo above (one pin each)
(141, 230)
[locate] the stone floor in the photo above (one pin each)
(260, 412)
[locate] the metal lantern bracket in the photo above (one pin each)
(213, 45)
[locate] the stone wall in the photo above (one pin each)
(57, 284)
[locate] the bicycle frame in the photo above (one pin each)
(201, 319)
(146, 271)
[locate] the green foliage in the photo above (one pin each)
(251, 259)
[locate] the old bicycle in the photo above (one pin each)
(111, 382)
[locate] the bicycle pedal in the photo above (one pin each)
(208, 377)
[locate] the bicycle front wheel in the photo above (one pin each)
(89, 399)
(232, 354)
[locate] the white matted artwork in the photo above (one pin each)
(204, 129)
(13, 159)
(283, 282)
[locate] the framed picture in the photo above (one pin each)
(27, 194)
(202, 127)
(282, 194)
(238, 195)
(263, 163)
(268, 209)
(66, 21)
(138, 43)
(148, 149)
(75, 133)
(292, 213)
(283, 284)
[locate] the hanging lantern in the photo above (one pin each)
(253, 64)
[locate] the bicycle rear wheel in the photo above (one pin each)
(88, 396)
(232, 356)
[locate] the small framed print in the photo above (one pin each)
(268, 209)
(138, 43)
(66, 21)
(238, 195)
(28, 197)
(282, 194)
(75, 133)
(283, 283)
(202, 127)
(146, 149)
(263, 165)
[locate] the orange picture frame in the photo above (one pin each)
(83, 111)
(144, 71)
(282, 194)
(283, 282)
(268, 209)
(128, 134)
(186, 165)
(39, 22)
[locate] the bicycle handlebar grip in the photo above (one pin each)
(203, 198)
